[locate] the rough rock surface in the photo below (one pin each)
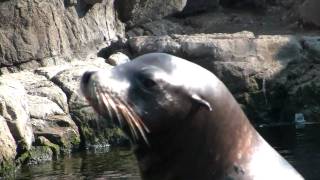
(33, 30)
(159, 28)
(53, 121)
(139, 12)
(7, 148)
(14, 109)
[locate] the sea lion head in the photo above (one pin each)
(148, 95)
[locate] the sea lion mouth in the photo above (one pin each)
(110, 105)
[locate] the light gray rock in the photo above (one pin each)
(15, 110)
(36, 107)
(220, 47)
(40, 89)
(146, 44)
(69, 78)
(117, 58)
(36, 30)
(278, 48)
(261, 52)
(8, 146)
(48, 109)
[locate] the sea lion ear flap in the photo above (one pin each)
(201, 101)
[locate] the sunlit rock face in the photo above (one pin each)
(8, 146)
(14, 109)
(32, 31)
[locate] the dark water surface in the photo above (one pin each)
(301, 147)
(115, 164)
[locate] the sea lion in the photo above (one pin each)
(183, 122)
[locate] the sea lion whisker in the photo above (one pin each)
(112, 104)
(105, 101)
(130, 123)
(115, 108)
(138, 118)
(129, 117)
(137, 121)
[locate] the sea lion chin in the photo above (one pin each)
(183, 122)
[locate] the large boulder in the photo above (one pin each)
(32, 31)
(15, 110)
(7, 148)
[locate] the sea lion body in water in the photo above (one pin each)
(183, 122)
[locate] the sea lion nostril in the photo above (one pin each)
(86, 77)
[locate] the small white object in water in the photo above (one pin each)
(299, 120)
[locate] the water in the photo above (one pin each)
(301, 147)
(114, 165)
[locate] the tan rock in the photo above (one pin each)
(14, 109)
(8, 145)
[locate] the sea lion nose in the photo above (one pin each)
(86, 77)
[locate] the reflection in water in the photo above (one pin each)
(116, 164)
(301, 147)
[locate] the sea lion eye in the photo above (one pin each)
(148, 83)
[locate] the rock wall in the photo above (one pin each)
(33, 31)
